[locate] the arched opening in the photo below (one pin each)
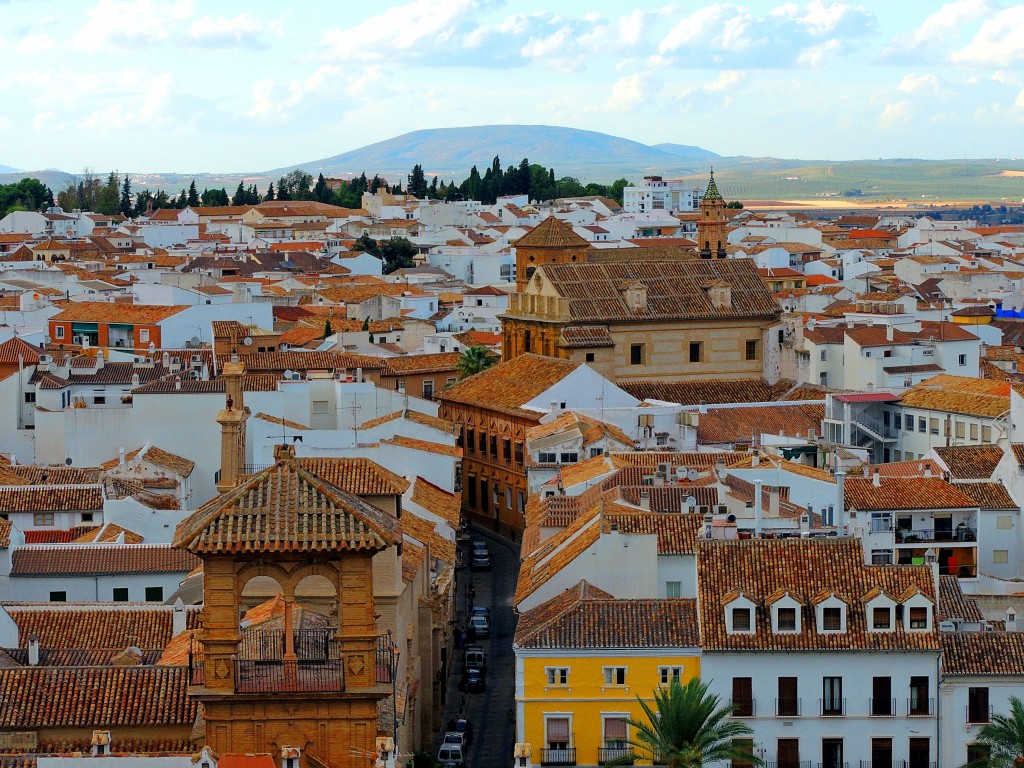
(530, 271)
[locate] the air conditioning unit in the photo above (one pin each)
(45, 359)
(665, 469)
(721, 509)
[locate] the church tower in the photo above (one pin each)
(550, 242)
(711, 221)
(232, 426)
(306, 690)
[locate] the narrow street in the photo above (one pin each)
(490, 711)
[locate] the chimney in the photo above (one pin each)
(757, 509)
(805, 519)
(888, 332)
(876, 479)
(178, 618)
(120, 455)
(554, 407)
(841, 499)
(773, 502)
(1011, 619)
(645, 500)
(166, 360)
(232, 423)
(755, 460)
(33, 651)
(928, 470)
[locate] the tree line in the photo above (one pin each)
(25, 195)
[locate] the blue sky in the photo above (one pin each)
(233, 85)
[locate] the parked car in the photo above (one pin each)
(461, 725)
(450, 756)
(475, 656)
(473, 680)
(481, 546)
(480, 610)
(455, 737)
(478, 626)
(481, 561)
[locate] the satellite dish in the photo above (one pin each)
(195, 341)
(690, 502)
(47, 339)
(152, 346)
(692, 474)
(288, 373)
(67, 461)
(247, 341)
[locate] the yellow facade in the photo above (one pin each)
(586, 700)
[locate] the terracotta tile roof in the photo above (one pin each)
(51, 499)
(80, 560)
(278, 362)
(509, 385)
(898, 493)
(10, 478)
(106, 312)
(434, 422)
(551, 233)
(909, 468)
(251, 382)
(585, 471)
(758, 568)
(901, 370)
(424, 532)
(108, 533)
(93, 697)
(667, 498)
(585, 337)
(740, 426)
(95, 626)
(15, 349)
(286, 508)
(585, 618)
(676, 532)
(158, 456)
(709, 391)
(408, 365)
(557, 552)
(591, 429)
(989, 495)
(983, 653)
(427, 446)
(356, 475)
(44, 475)
(676, 290)
(959, 394)
(970, 462)
(413, 556)
(953, 604)
(697, 460)
(445, 505)
(5, 533)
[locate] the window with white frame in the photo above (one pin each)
(668, 674)
(614, 675)
(557, 675)
(673, 589)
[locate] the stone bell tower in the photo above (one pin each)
(297, 690)
(232, 426)
(711, 233)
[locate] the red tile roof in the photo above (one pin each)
(51, 499)
(101, 559)
(900, 493)
(105, 312)
(509, 385)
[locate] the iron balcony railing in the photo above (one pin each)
(916, 535)
(882, 707)
(743, 707)
(883, 764)
(977, 715)
(789, 764)
(620, 755)
(920, 707)
(788, 708)
(564, 756)
(833, 707)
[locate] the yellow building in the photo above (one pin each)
(583, 657)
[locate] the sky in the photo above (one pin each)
(231, 86)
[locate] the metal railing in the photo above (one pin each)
(979, 715)
(386, 659)
(833, 765)
(914, 535)
(883, 763)
(921, 707)
(566, 756)
(743, 707)
(288, 675)
(833, 707)
(621, 755)
(788, 707)
(881, 707)
(789, 764)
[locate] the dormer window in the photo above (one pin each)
(832, 619)
(917, 611)
(830, 614)
(918, 618)
(881, 618)
(739, 614)
(741, 620)
(785, 613)
(880, 611)
(786, 620)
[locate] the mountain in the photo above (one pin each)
(7, 169)
(51, 177)
(453, 151)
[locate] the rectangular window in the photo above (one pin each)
(881, 697)
(961, 360)
(918, 618)
(520, 502)
(557, 737)
(595, 452)
(1000, 556)
(787, 619)
(506, 449)
(519, 453)
(986, 434)
(589, 357)
(897, 421)
(30, 397)
(668, 674)
(59, 597)
(614, 675)
(471, 488)
(881, 752)
(569, 458)
(496, 493)
(959, 428)
(934, 426)
(695, 350)
(977, 705)
(909, 423)
(481, 443)
(832, 696)
(922, 424)
(673, 589)
(832, 753)
(615, 735)
(823, 355)
(99, 400)
(832, 619)
(636, 354)
(494, 446)
(740, 619)
(450, 380)
(58, 332)
(978, 753)
(428, 389)
(787, 753)
(320, 408)
(920, 704)
(744, 747)
(1004, 522)
(547, 458)
(751, 351)
(788, 703)
(470, 440)
(920, 752)
(483, 494)
(557, 675)
(881, 618)
(120, 594)
(144, 334)
(42, 518)
(742, 697)
(154, 594)
(974, 431)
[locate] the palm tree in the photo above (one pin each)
(686, 728)
(1005, 739)
(475, 359)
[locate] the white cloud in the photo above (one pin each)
(268, 102)
(726, 81)
(720, 25)
(998, 43)
(940, 31)
(1019, 103)
(895, 115)
(35, 43)
(419, 25)
(912, 83)
(242, 31)
(42, 120)
(816, 55)
(114, 24)
(1006, 78)
(627, 93)
(146, 106)
(548, 46)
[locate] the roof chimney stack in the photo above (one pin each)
(33, 651)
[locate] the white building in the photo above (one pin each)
(656, 193)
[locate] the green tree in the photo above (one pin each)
(270, 192)
(1004, 737)
(687, 728)
(26, 195)
(734, 204)
(366, 323)
(417, 186)
(126, 196)
(240, 195)
(321, 191)
(475, 359)
(367, 244)
(328, 330)
(615, 191)
(193, 194)
(397, 253)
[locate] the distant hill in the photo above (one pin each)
(588, 155)
(51, 177)
(7, 169)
